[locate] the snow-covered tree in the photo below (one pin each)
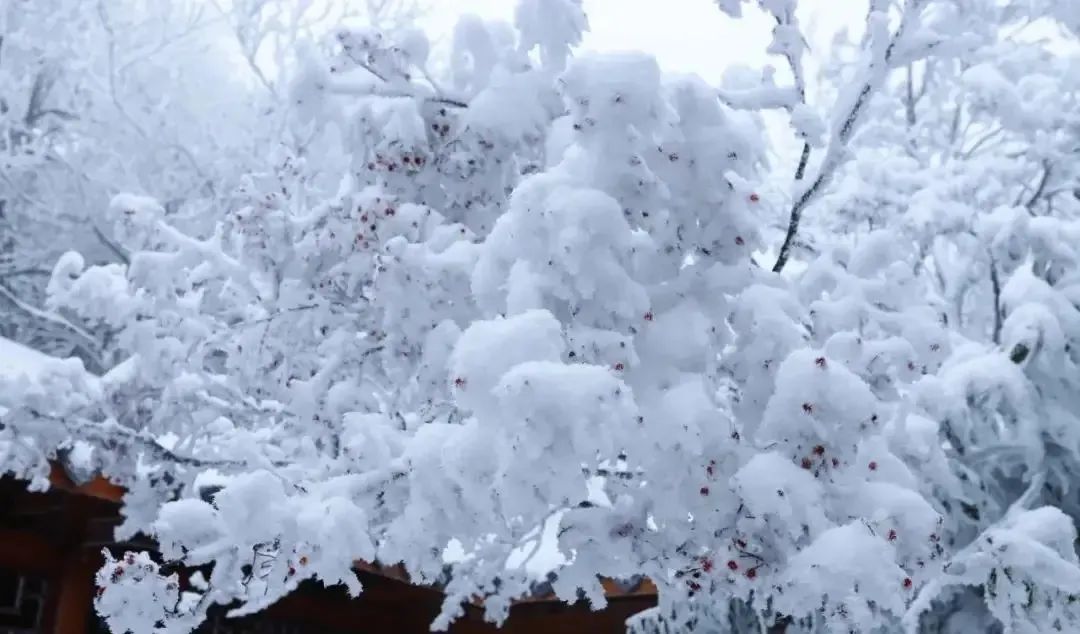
(968, 167)
(454, 309)
(100, 97)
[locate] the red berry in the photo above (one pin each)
(754, 197)
(292, 571)
(619, 367)
(819, 450)
(709, 470)
(648, 316)
(706, 564)
(836, 462)
(872, 465)
(808, 408)
(303, 561)
(907, 582)
(739, 241)
(694, 586)
(459, 382)
(100, 591)
(806, 463)
(732, 564)
(892, 534)
(750, 574)
(820, 362)
(703, 490)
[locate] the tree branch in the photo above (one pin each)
(22, 272)
(112, 246)
(108, 434)
(1039, 189)
(10, 296)
(847, 128)
(800, 170)
(909, 97)
(981, 141)
(995, 284)
(371, 90)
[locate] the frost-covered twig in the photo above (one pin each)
(357, 89)
(110, 436)
(9, 295)
(875, 74)
(995, 287)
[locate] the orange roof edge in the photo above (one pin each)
(99, 487)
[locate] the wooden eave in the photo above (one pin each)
(102, 489)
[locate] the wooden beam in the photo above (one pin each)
(73, 598)
(28, 552)
(645, 588)
(70, 602)
(389, 605)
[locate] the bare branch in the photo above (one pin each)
(995, 284)
(22, 272)
(909, 97)
(981, 141)
(800, 170)
(1040, 188)
(112, 246)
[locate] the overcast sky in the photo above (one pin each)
(684, 35)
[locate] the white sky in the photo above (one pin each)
(685, 35)
(694, 36)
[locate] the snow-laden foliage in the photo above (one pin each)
(452, 310)
(102, 97)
